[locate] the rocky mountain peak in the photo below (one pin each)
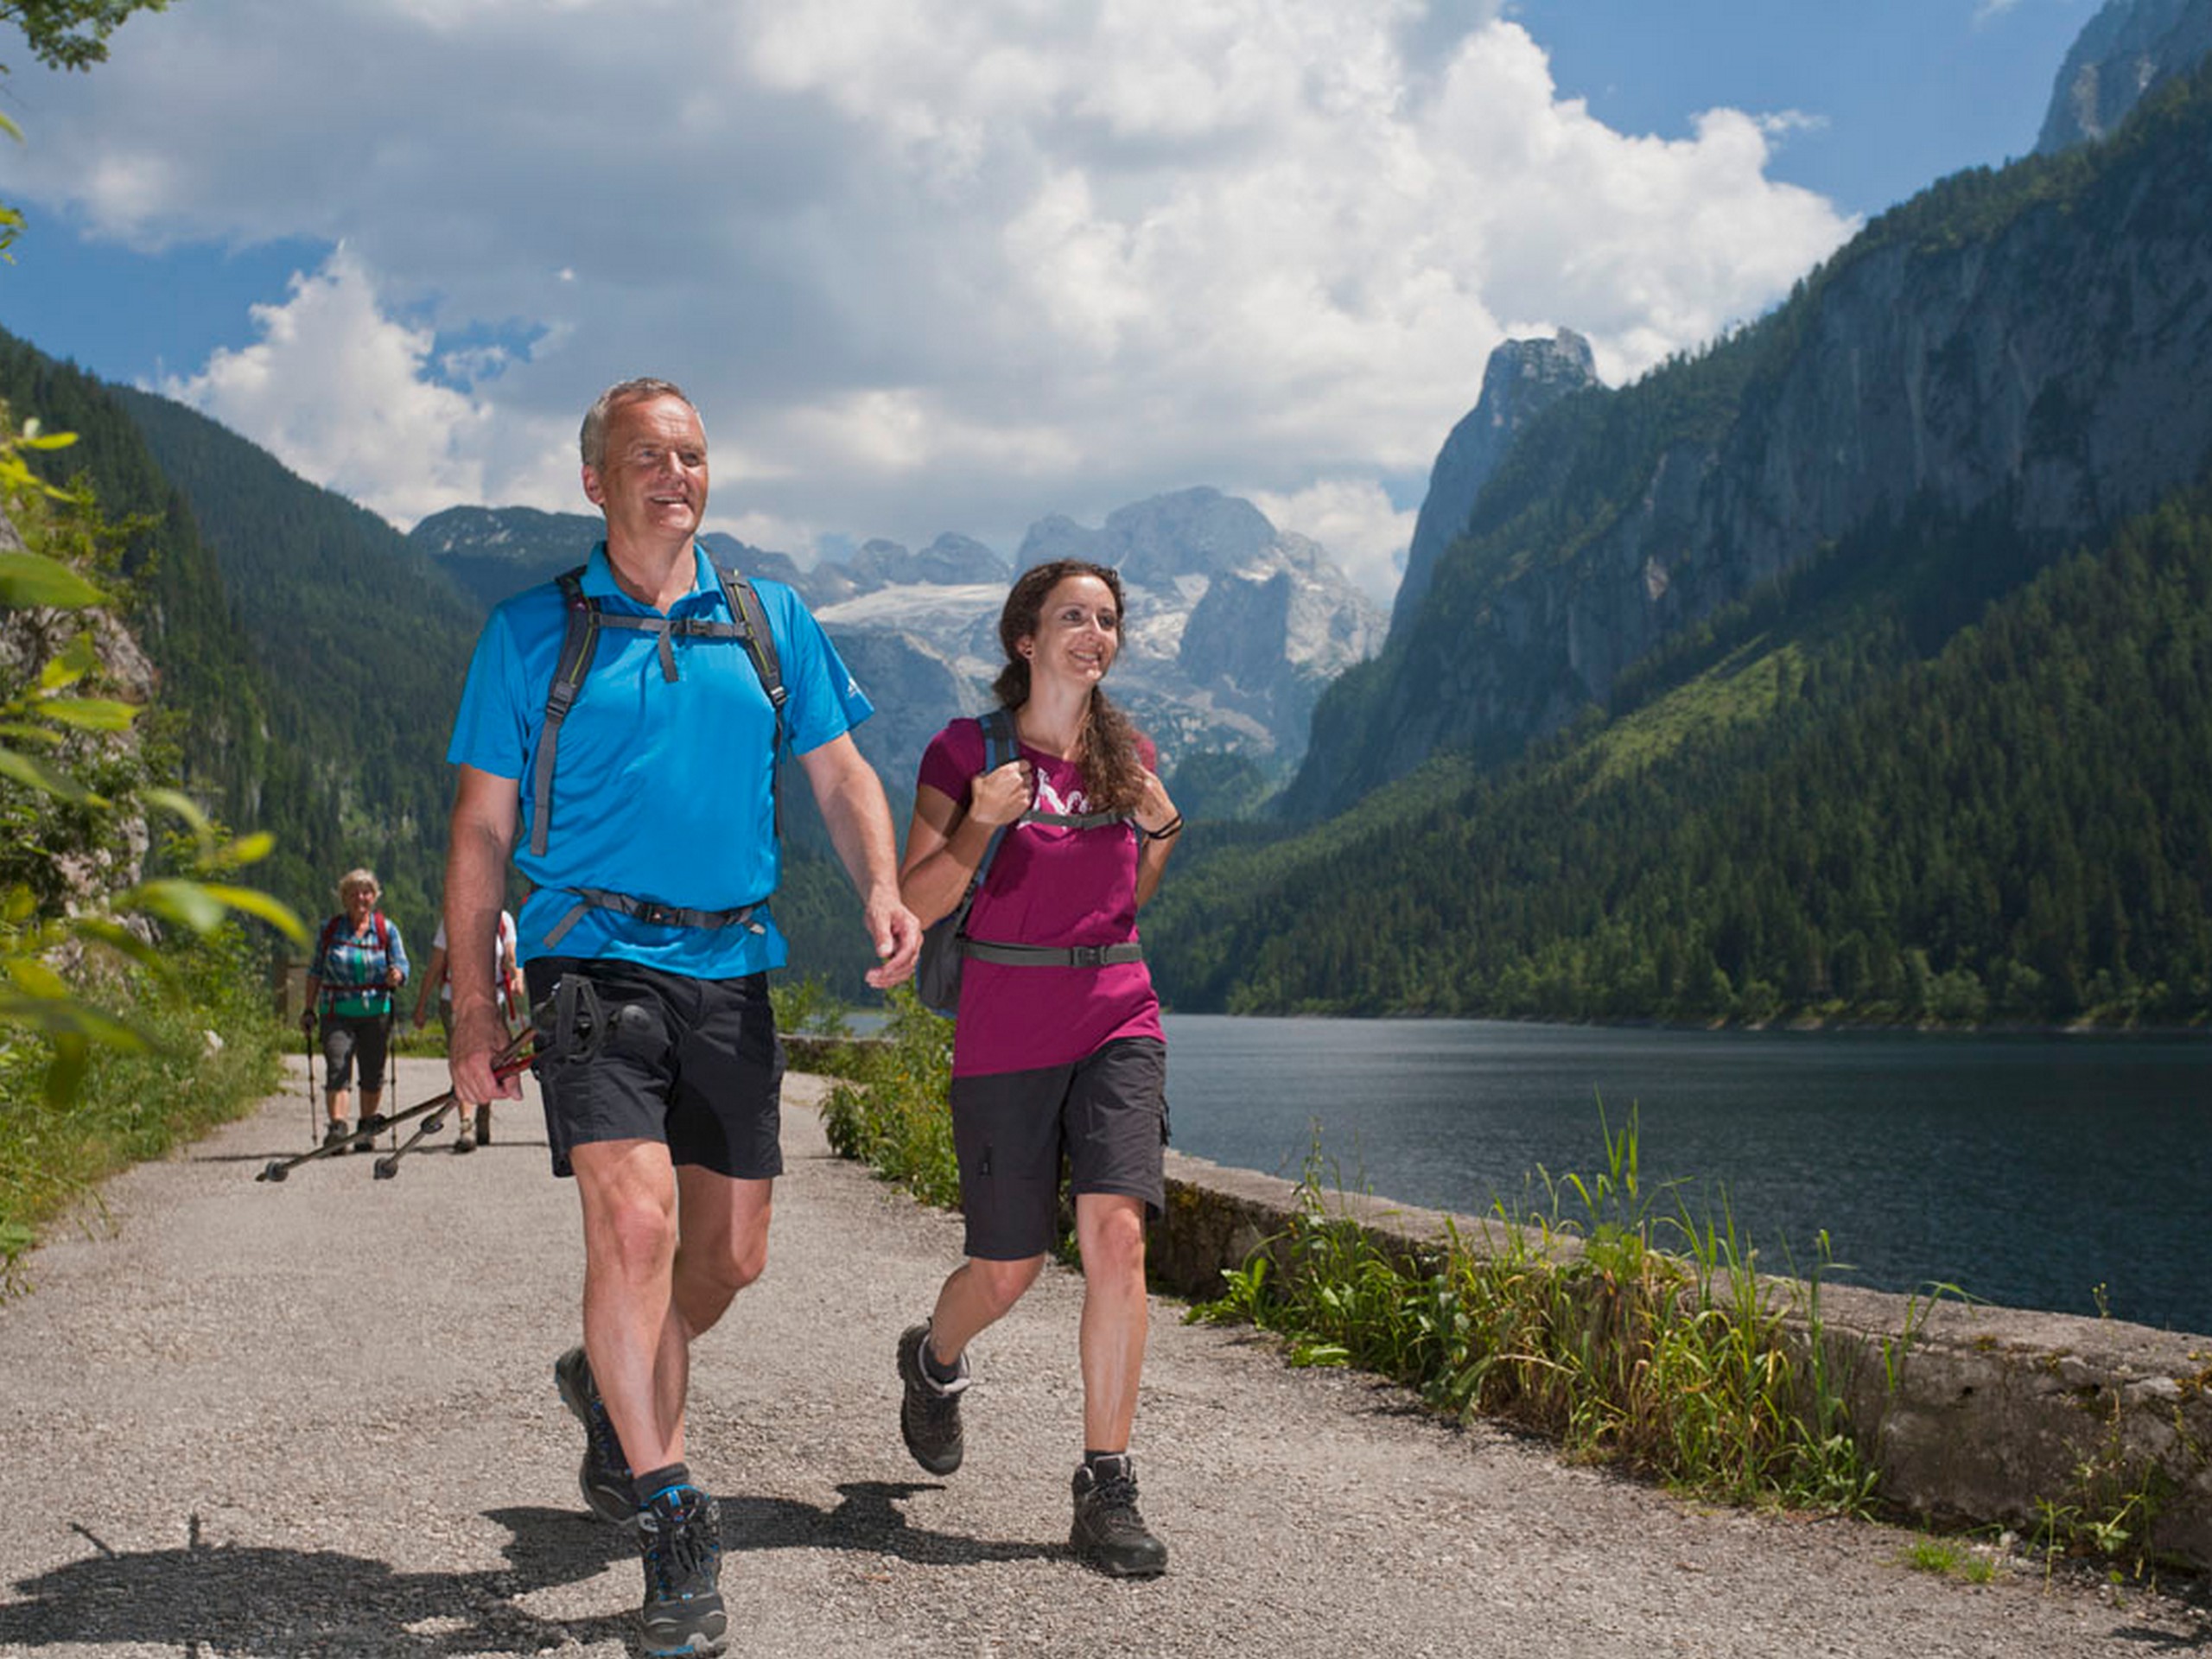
(1522, 379)
(1195, 532)
(2126, 51)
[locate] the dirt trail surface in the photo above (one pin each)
(319, 1418)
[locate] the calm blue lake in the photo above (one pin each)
(2027, 1171)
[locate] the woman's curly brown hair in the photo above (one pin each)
(1113, 773)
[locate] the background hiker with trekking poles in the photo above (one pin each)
(359, 961)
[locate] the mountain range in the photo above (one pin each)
(1234, 628)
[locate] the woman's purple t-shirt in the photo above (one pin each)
(1048, 886)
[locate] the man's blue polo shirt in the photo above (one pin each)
(661, 788)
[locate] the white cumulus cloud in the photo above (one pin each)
(925, 264)
(336, 390)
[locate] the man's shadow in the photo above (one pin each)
(206, 1599)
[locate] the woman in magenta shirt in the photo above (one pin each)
(1058, 1046)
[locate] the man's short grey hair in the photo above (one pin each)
(593, 439)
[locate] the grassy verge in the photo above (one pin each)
(220, 1052)
(1605, 1317)
(890, 1112)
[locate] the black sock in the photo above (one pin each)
(648, 1486)
(936, 1369)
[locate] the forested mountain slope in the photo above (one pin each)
(1846, 806)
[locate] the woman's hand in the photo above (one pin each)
(1003, 795)
(1155, 810)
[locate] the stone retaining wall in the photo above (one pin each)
(1972, 1415)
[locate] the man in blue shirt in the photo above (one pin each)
(651, 857)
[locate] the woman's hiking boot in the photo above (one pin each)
(1109, 1534)
(679, 1535)
(929, 1413)
(604, 1475)
(335, 1133)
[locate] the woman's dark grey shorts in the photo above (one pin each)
(1107, 1112)
(348, 1038)
(631, 1054)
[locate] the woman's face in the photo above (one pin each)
(1078, 631)
(359, 901)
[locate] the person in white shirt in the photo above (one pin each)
(514, 1008)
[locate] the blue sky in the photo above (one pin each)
(956, 264)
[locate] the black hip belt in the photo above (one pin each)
(1051, 955)
(647, 910)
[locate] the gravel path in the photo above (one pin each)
(317, 1418)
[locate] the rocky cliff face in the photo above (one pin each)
(2128, 49)
(1234, 628)
(1524, 378)
(2039, 353)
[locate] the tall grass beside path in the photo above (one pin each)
(1635, 1334)
(219, 1052)
(889, 1111)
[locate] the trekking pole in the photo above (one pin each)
(314, 1117)
(514, 1058)
(389, 1091)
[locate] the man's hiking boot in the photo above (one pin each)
(335, 1132)
(604, 1476)
(679, 1533)
(364, 1136)
(929, 1416)
(1109, 1534)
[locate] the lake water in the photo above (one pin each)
(2027, 1171)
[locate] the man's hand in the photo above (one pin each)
(477, 1036)
(898, 941)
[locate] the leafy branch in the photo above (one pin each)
(38, 723)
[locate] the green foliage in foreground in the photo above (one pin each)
(1677, 1363)
(137, 1105)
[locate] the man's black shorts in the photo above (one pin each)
(628, 1053)
(1107, 1112)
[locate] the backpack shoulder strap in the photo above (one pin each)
(1000, 748)
(745, 608)
(568, 671)
(752, 619)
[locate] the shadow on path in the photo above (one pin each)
(234, 1599)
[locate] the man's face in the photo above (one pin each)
(652, 481)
